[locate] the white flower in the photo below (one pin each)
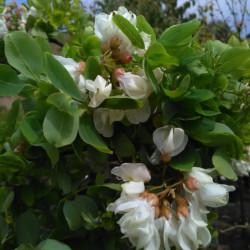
(104, 119)
(132, 172)
(139, 115)
(135, 86)
(3, 28)
(75, 70)
(25, 14)
(105, 29)
(98, 91)
(136, 174)
(170, 140)
(209, 193)
(242, 168)
(33, 12)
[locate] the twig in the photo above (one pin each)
(246, 226)
(55, 41)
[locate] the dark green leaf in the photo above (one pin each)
(10, 85)
(27, 228)
(44, 44)
(31, 129)
(121, 102)
(89, 134)
(185, 160)
(129, 30)
(123, 146)
(50, 244)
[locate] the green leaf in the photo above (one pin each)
(7, 202)
(31, 129)
(4, 230)
(121, 102)
(223, 164)
(44, 44)
(168, 110)
(180, 90)
(60, 77)
(150, 75)
(11, 161)
(178, 35)
(24, 54)
(63, 102)
(198, 95)
(92, 68)
(81, 211)
(50, 244)
(129, 30)
(46, 88)
(89, 134)
(10, 85)
(157, 56)
(51, 151)
(233, 59)
(27, 228)
(185, 160)
(143, 25)
(13, 115)
(27, 195)
(92, 46)
(64, 182)
(60, 128)
(123, 146)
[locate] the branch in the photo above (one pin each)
(55, 41)
(246, 226)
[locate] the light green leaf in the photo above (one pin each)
(157, 56)
(223, 164)
(63, 102)
(92, 46)
(60, 77)
(27, 228)
(180, 90)
(50, 244)
(60, 128)
(129, 30)
(121, 102)
(31, 129)
(44, 44)
(178, 35)
(24, 53)
(10, 84)
(92, 68)
(143, 25)
(89, 134)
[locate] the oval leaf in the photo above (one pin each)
(60, 128)
(24, 53)
(223, 164)
(50, 244)
(89, 134)
(10, 84)
(121, 102)
(129, 30)
(60, 77)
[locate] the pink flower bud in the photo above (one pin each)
(7, 18)
(8, 9)
(15, 3)
(165, 203)
(125, 57)
(116, 53)
(181, 201)
(104, 47)
(191, 183)
(82, 67)
(153, 198)
(119, 72)
(115, 42)
(144, 194)
(182, 210)
(166, 212)
(165, 158)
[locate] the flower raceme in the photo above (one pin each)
(153, 221)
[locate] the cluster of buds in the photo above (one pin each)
(120, 57)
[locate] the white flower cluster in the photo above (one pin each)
(3, 28)
(25, 14)
(151, 222)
